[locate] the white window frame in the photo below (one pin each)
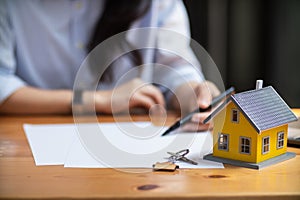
(222, 143)
(237, 116)
(280, 140)
(245, 145)
(263, 151)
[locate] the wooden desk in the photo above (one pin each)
(21, 179)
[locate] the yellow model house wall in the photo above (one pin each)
(274, 151)
(223, 124)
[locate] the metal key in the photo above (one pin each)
(180, 155)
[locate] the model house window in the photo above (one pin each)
(280, 140)
(265, 145)
(223, 141)
(245, 145)
(235, 115)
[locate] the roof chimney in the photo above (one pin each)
(259, 84)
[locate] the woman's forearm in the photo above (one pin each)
(134, 93)
(29, 100)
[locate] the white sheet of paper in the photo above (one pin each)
(50, 143)
(78, 157)
(73, 153)
(294, 130)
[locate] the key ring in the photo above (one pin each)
(180, 155)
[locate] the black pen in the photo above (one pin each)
(188, 117)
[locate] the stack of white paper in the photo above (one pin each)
(121, 145)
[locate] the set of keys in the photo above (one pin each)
(175, 157)
(180, 156)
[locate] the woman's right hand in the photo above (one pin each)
(132, 94)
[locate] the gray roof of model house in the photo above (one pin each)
(263, 108)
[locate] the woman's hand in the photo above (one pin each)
(200, 96)
(132, 94)
(205, 92)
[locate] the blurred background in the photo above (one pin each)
(249, 40)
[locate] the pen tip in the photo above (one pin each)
(166, 132)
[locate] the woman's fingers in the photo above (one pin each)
(213, 89)
(199, 117)
(134, 93)
(153, 93)
(144, 95)
(146, 98)
(141, 100)
(196, 123)
(203, 94)
(205, 91)
(194, 127)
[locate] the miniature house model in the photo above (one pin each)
(250, 129)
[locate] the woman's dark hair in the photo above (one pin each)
(118, 15)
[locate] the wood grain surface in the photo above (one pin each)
(21, 179)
